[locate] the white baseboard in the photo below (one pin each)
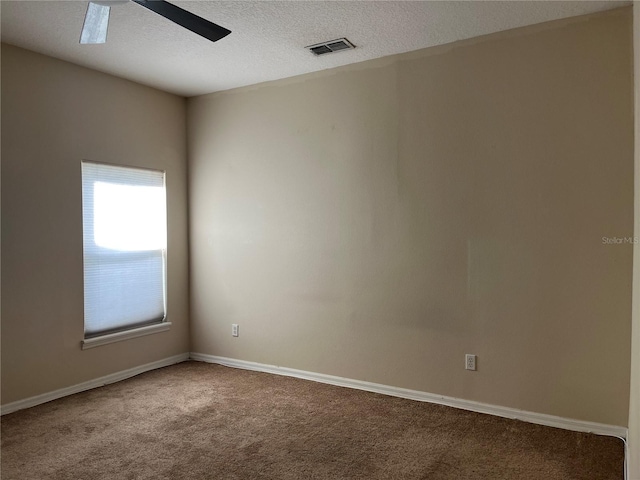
(98, 382)
(531, 417)
(506, 412)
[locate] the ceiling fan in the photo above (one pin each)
(96, 20)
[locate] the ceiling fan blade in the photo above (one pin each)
(186, 19)
(96, 22)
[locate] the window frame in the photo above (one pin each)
(133, 329)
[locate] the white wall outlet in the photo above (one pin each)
(470, 361)
(234, 329)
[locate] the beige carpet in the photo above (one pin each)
(201, 421)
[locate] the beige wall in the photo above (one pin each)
(634, 405)
(379, 221)
(55, 114)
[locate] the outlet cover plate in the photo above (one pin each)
(470, 362)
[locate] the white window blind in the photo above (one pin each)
(125, 236)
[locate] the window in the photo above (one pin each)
(124, 246)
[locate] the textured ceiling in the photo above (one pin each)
(268, 37)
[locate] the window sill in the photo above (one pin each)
(126, 335)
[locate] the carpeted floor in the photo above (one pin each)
(201, 421)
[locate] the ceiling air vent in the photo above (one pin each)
(331, 46)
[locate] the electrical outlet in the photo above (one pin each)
(234, 329)
(470, 362)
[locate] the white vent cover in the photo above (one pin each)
(331, 46)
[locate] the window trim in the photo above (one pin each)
(125, 335)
